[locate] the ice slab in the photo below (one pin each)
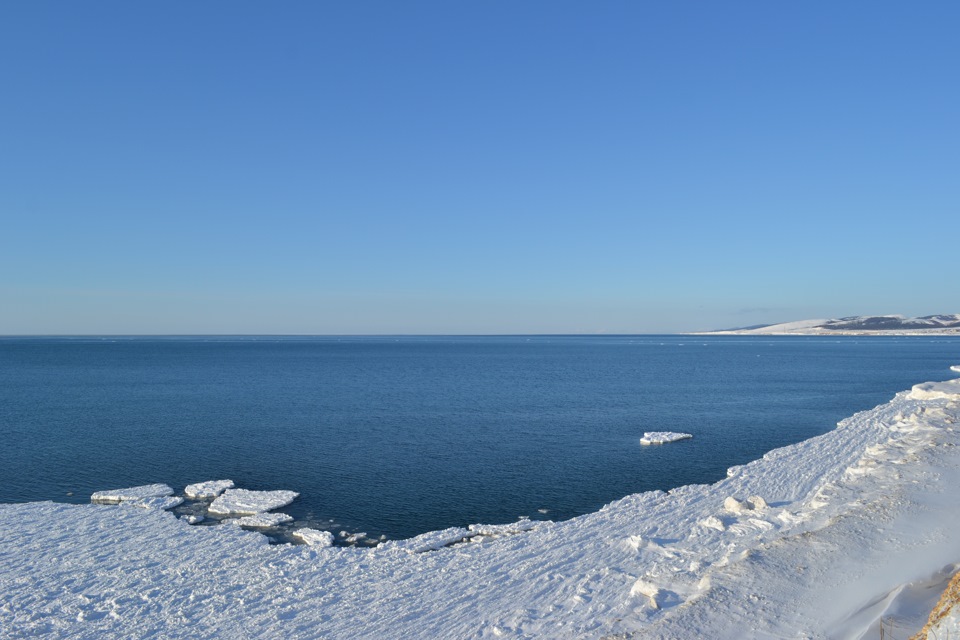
(208, 489)
(161, 503)
(114, 496)
(314, 537)
(663, 437)
(262, 520)
(247, 502)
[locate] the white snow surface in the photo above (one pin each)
(786, 327)
(114, 496)
(208, 489)
(246, 502)
(663, 437)
(816, 540)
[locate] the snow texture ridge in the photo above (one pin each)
(827, 538)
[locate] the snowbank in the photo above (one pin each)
(822, 539)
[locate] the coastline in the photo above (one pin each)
(954, 332)
(819, 538)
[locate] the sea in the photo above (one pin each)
(393, 436)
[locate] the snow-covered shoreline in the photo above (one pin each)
(893, 325)
(819, 539)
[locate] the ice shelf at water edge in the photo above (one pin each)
(821, 539)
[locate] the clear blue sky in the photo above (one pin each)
(485, 167)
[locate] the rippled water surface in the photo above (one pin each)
(398, 436)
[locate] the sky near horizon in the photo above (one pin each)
(496, 167)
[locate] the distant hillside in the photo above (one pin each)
(943, 324)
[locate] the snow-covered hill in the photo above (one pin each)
(859, 325)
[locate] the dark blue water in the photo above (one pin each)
(398, 436)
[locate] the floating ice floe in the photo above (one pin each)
(208, 489)
(663, 437)
(247, 502)
(115, 496)
(193, 519)
(262, 520)
(314, 537)
(956, 368)
(354, 538)
(161, 503)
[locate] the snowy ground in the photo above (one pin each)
(822, 539)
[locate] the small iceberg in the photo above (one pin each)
(244, 502)
(208, 489)
(663, 437)
(116, 496)
(314, 537)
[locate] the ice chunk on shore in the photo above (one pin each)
(262, 520)
(949, 390)
(208, 489)
(753, 503)
(497, 530)
(314, 537)
(161, 503)
(644, 588)
(247, 502)
(114, 496)
(663, 437)
(431, 541)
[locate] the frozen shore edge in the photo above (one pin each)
(821, 539)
